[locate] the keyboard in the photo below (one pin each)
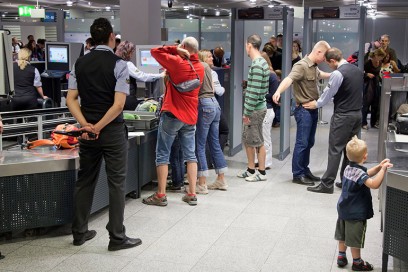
(54, 73)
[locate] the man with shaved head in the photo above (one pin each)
(346, 88)
(304, 76)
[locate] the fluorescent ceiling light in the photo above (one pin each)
(217, 13)
(69, 3)
(108, 8)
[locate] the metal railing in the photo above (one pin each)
(29, 122)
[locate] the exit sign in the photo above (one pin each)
(25, 11)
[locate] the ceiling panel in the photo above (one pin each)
(397, 8)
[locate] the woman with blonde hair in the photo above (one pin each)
(27, 83)
(125, 50)
(207, 130)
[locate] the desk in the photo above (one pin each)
(37, 186)
(52, 88)
(395, 211)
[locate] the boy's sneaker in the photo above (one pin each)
(342, 261)
(218, 185)
(256, 177)
(363, 266)
(244, 174)
(155, 200)
(201, 189)
(190, 200)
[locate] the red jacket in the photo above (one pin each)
(184, 106)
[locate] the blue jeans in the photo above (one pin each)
(169, 128)
(306, 121)
(208, 123)
(177, 164)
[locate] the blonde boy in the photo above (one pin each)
(355, 204)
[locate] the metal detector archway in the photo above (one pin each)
(286, 15)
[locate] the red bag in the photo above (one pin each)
(58, 140)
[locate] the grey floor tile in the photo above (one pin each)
(295, 263)
(318, 227)
(58, 241)
(8, 248)
(260, 221)
(242, 237)
(150, 226)
(209, 268)
(92, 262)
(235, 258)
(203, 217)
(182, 244)
(35, 258)
(148, 265)
(305, 246)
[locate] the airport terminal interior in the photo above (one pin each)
(267, 225)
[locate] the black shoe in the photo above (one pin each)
(302, 181)
(80, 239)
(312, 177)
(339, 185)
(321, 189)
(128, 243)
(171, 187)
(342, 261)
(363, 266)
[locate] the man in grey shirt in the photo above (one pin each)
(346, 88)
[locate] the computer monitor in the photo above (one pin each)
(61, 56)
(144, 60)
(57, 56)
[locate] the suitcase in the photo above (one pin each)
(402, 123)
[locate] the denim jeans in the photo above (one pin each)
(177, 164)
(169, 128)
(306, 121)
(208, 130)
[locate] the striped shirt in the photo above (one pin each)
(258, 86)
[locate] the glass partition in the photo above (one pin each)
(216, 32)
(342, 34)
(181, 28)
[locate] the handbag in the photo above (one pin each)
(188, 85)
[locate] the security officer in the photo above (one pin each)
(100, 78)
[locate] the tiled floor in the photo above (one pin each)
(264, 226)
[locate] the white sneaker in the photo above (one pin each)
(244, 174)
(202, 190)
(256, 177)
(218, 185)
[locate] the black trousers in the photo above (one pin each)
(343, 126)
(112, 147)
(28, 102)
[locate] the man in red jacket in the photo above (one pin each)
(178, 116)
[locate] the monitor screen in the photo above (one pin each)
(58, 56)
(146, 58)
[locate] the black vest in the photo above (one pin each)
(96, 84)
(349, 97)
(24, 81)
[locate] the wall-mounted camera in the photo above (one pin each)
(169, 3)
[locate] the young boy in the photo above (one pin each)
(355, 204)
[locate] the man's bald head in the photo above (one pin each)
(190, 44)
